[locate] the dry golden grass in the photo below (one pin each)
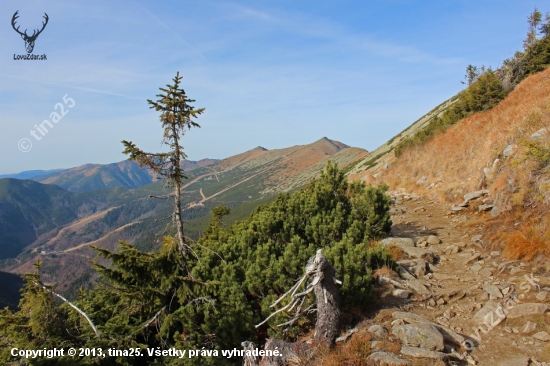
(518, 184)
(395, 252)
(525, 234)
(457, 157)
(352, 353)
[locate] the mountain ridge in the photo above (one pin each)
(28, 174)
(124, 173)
(103, 217)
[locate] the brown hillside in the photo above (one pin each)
(454, 160)
(452, 164)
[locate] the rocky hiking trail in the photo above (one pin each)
(455, 301)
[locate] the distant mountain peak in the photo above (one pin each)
(258, 148)
(333, 144)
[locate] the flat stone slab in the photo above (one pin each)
(542, 336)
(433, 240)
(423, 335)
(418, 287)
(409, 262)
(492, 290)
(448, 334)
(423, 353)
(529, 327)
(417, 252)
(398, 242)
(486, 272)
(476, 267)
(472, 258)
(474, 195)
(491, 313)
(520, 310)
(386, 359)
(485, 207)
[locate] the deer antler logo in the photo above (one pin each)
(29, 40)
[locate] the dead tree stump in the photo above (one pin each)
(323, 284)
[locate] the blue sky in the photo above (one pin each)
(269, 73)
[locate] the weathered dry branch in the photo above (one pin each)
(162, 197)
(72, 305)
(154, 318)
(323, 283)
(202, 246)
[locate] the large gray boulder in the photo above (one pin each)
(398, 242)
(448, 334)
(421, 335)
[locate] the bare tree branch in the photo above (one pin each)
(150, 321)
(72, 305)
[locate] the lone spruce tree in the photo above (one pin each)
(176, 116)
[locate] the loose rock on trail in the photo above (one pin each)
(456, 300)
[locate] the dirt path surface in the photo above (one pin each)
(490, 310)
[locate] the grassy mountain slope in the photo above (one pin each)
(125, 174)
(259, 172)
(455, 160)
(380, 158)
(505, 150)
